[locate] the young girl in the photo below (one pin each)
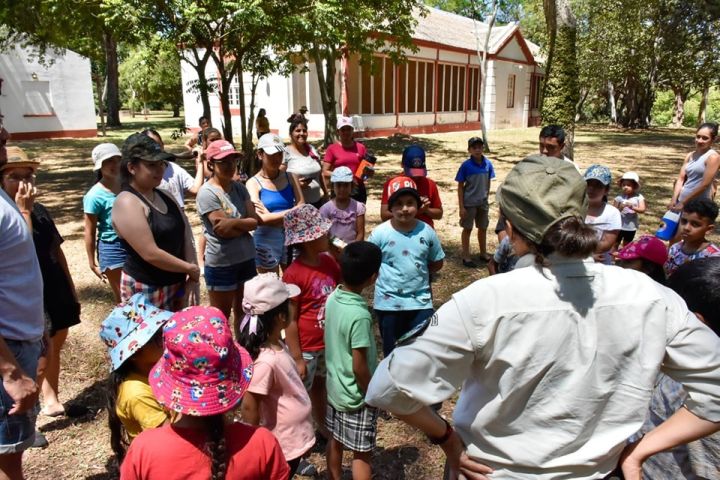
(100, 235)
(630, 203)
(602, 216)
(202, 375)
(133, 337)
(346, 214)
(208, 136)
(276, 397)
(647, 254)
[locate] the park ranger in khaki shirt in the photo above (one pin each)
(557, 364)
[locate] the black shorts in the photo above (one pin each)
(625, 237)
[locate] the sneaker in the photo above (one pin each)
(469, 264)
(40, 440)
(306, 469)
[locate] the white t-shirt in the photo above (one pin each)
(176, 181)
(608, 220)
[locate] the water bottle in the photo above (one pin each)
(669, 225)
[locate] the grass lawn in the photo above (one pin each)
(80, 448)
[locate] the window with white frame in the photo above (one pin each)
(451, 87)
(417, 80)
(377, 87)
(234, 93)
(511, 91)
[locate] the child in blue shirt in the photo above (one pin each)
(473, 179)
(410, 252)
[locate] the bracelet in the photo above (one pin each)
(448, 432)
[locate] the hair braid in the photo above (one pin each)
(215, 426)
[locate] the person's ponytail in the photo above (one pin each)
(569, 237)
(119, 440)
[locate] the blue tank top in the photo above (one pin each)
(280, 200)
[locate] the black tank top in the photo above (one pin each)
(168, 230)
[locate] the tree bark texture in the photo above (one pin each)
(561, 93)
(326, 82)
(199, 66)
(678, 108)
(113, 89)
(611, 102)
(483, 69)
(702, 111)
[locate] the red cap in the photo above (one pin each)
(219, 149)
(648, 247)
(400, 185)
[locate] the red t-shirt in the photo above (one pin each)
(316, 284)
(426, 188)
(338, 156)
(172, 453)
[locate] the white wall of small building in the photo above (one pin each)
(54, 98)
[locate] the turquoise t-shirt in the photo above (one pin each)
(98, 201)
(404, 280)
(348, 325)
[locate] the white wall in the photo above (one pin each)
(504, 117)
(55, 98)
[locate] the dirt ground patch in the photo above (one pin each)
(79, 449)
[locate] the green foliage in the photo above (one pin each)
(561, 87)
(662, 111)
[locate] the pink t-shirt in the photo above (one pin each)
(338, 156)
(286, 409)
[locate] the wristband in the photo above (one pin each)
(444, 438)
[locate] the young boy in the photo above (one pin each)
(351, 360)
(698, 218)
(413, 163)
(317, 273)
(473, 179)
(411, 251)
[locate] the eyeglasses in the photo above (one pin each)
(15, 178)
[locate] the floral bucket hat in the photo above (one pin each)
(304, 224)
(203, 371)
(130, 326)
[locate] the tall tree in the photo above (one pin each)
(561, 89)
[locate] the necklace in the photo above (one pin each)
(149, 199)
(270, 178)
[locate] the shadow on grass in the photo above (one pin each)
(92, 397)
(111, 471)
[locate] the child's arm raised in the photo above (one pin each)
(360, 368)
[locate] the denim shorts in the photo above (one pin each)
(111, 255)
(269, 247)
(227, 279)
(17, 432)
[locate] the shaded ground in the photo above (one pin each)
(79, 449)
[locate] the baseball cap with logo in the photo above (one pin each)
(344, 122)
(17, 158)
(103, 152)
(139, 146)
(399, 186)
(413, 161)
(270, 144)
(219, 149)
(540, 191)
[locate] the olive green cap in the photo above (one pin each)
(538, 192)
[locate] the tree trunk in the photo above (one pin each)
(113, 90)
(561, 86)
(678, 108)
(611, 102)
(483, 68)
(176, 110)
(326, 81)
(249, 165)
(225, 80)
(100, 103)
(581, 102)
(199, 66)
(702, 112)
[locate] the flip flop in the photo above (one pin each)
(59, 413)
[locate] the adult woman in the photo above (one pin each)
(348, 153)
(262, 124)
(698, 170)
(568, 369)
(100, 236)
(228, 216)
(154, 230)
(273, 192)
(60, 301)
(303, 160)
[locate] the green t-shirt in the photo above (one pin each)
(348, 325)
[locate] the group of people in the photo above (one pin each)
(558, 354)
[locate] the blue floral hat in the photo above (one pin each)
(129, 327)
(601, 173)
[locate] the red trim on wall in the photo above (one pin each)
(422, 129)
(91, 132)
(467, 86)
(396, 76)
(39, 115)
(511, 60)
(435, 85)
(523, 46)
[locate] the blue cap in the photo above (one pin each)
(601, 173)
(413, 161)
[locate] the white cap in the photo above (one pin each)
(341, 175)
(631, 176)
(345, 122)
(102, 152)
(271, 143)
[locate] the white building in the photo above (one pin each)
(46, 100)
(437, 90)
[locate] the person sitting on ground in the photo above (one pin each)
(351, 360)
(413, 163)
(568, 367)
(346, 214)
(100, 236)
(473, 179)
(317, 273)
(276, 397)
(647, 254)
(132, 334)
(411, 252)
(202, 375)
(602, 216)
(697, 220)
(60, 300)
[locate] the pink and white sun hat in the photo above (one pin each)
(304, 224)
(203, 371)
